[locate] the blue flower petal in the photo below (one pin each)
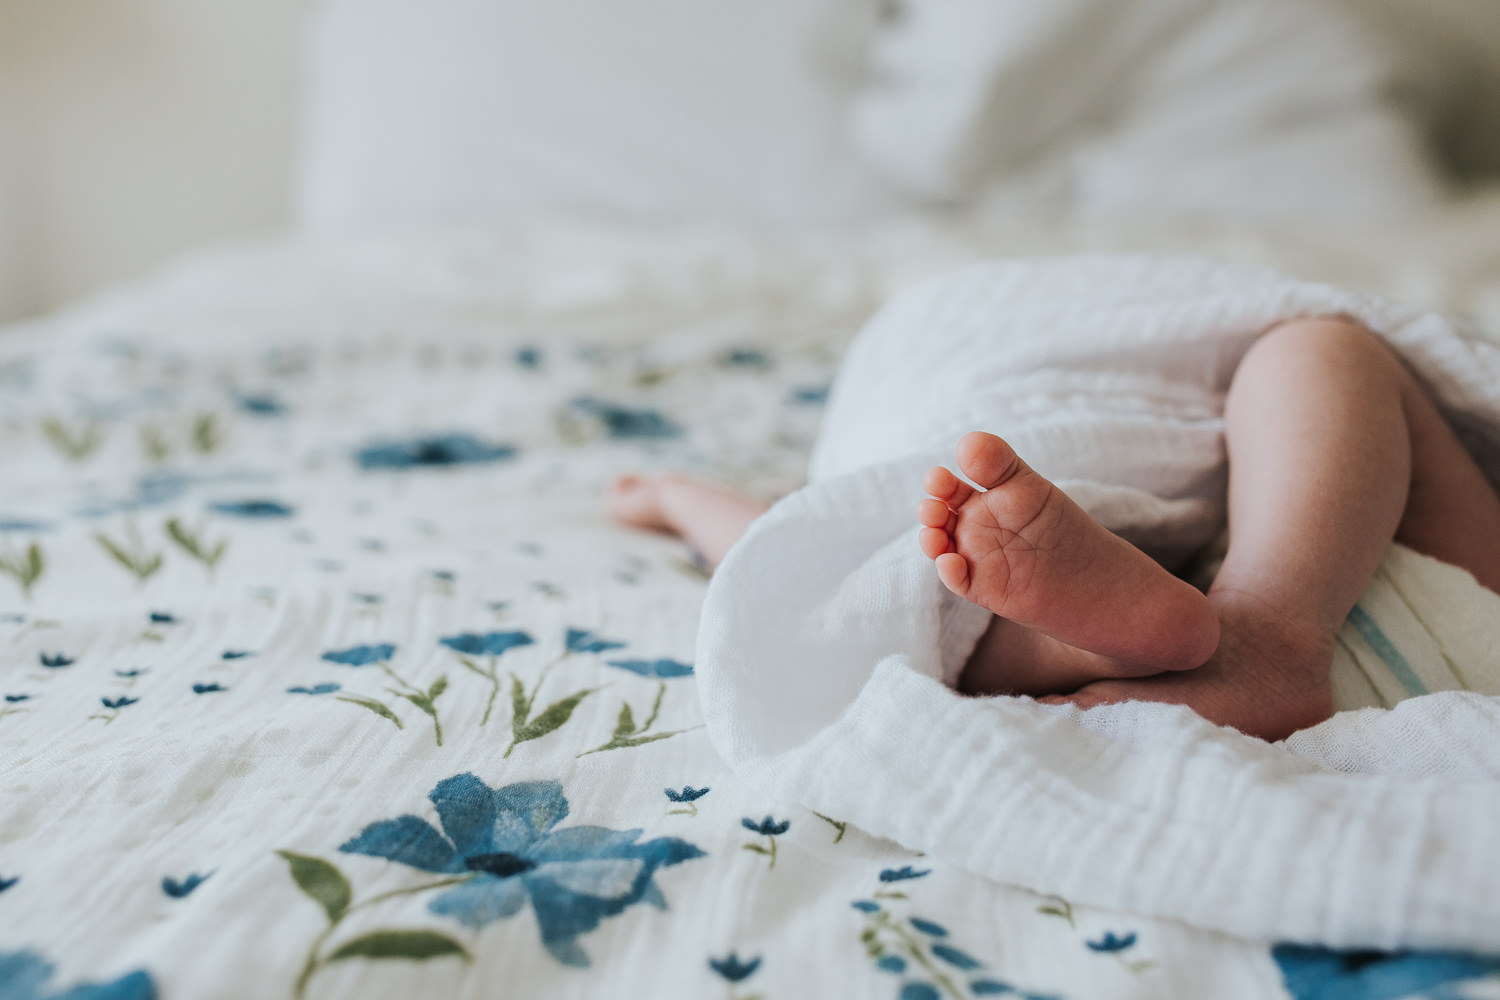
(582, 640)
(624, 423)
(928, 927)
(486, 644)
(664, 669)
(526, 810)
(990, 987)
(360, 656)
(432, 451)
(482, 901)
(1110, 942)
(256, 509)
(1320, 974)
(919, 991)
(208, 688)
(957, 959)
(891, 963)
(326, 688)
(902, 873)
(24, 972)
(733, 969)
(466, 808)
(865, 906)
(408, 840)
(177, 890)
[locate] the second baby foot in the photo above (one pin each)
(1021, 548)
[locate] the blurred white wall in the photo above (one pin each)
(132, 130)
(135, 130)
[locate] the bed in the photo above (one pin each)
(325, 673)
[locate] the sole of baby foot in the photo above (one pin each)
(1021, 548)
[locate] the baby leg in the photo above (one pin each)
(1333, 451)
(708, 517)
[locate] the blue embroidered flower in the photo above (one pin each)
(486, 644)
(919, 990)
(117, 703)
(208, 688)
(688, 794)
(812, 395)
(663, 669)
(6, 883)
(177, 890)
(1111, 943)
(55, 660)
(865, 906)
(361, 656)
(1321, 974)
(235, 654)
(261, 405)
(990, 987)
(581, 640)
(315, 689)
(163, 618)
(433, 450)
(19, 524)
(14, 698)
(767, 827)
(623, 423)
(258, 509)
(928, 927)
(891, 963)
(574, 877)
(133, 672)
(733, 968)
(24, 976)
(902, 873)
(746, 357)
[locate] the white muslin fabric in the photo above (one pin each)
(826, 639)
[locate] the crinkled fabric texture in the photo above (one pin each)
(826, 635)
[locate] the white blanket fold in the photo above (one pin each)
(826, 633)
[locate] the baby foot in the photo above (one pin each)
(636, 501)
(1021, 548)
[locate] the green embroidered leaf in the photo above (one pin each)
(192, 545)
(76, 448)
(374, 706)
(520, 705)
(206, 436)
(438, 687)
(626, 723)
(552, 717)
(142, 565)
(320, 880)
(420, 700)
(756, 848)
(34, 564)
(470, 664)
(622, 742)
(417, 946)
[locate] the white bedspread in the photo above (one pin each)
(826, 633)
(330, 678)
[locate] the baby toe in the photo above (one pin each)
(934, 542)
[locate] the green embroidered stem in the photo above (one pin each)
(836, 824)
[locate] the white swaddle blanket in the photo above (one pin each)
(826, 636)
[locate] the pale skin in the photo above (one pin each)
(1334, 452)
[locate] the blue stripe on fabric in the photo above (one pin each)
(1370, 632)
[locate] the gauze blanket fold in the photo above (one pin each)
(826, 636)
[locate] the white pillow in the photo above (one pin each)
(494, 111)
(1230, 107)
